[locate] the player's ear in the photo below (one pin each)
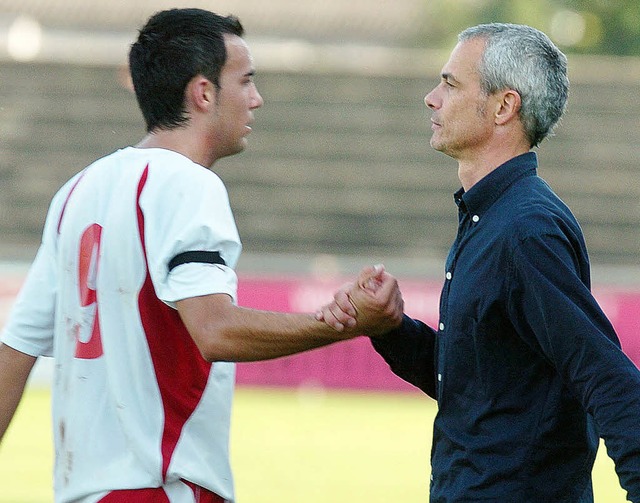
(200, 92)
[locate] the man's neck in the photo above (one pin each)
(473, 169)
(177, 141)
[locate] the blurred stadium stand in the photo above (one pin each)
(395, 21)
(339, 162)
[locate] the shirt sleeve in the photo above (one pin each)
(409, 351)
(192, 216)
(31, 324)
(551, 303)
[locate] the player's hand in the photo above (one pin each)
(372, 305)
(340, 314)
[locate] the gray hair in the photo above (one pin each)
(524, 59)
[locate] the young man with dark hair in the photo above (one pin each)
(133, 288)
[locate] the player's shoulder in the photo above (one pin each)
(177, 168)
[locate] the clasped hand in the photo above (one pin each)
(372, 305)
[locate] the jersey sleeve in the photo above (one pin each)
(31, 322)
(188, 215)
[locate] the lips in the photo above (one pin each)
(250, 122)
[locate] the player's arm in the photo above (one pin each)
(226, 332)
(29, 328)
(15, 368)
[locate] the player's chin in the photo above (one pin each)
(230, 150)
(243, 144)
(240, 146)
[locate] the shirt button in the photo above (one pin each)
(475, 218)
(439, 377)
(441, 326)
(448, 275)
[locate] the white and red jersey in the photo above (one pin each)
(134, 403)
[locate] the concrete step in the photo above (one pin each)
(337, 163)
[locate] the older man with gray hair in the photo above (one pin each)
(525, 366)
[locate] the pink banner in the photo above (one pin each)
(351, 364)
(354, 364)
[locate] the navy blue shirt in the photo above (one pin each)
(526, 368)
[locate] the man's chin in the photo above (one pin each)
(442, 147)
(240, 147)
(436, 145)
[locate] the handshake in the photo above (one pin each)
(372, 305)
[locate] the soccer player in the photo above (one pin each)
(133, 288)
(526, 368)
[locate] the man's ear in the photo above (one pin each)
(508, 106)
(201, 92)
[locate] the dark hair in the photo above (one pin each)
(173, 47)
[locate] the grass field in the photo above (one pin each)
(288, 446)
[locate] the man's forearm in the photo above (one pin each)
(15, 368)
(224, 332)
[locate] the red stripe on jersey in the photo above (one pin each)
(181, 372)
(201, 495)
(158, 495)
(64, 206)
(155, 495)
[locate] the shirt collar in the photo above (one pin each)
(485, 192)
